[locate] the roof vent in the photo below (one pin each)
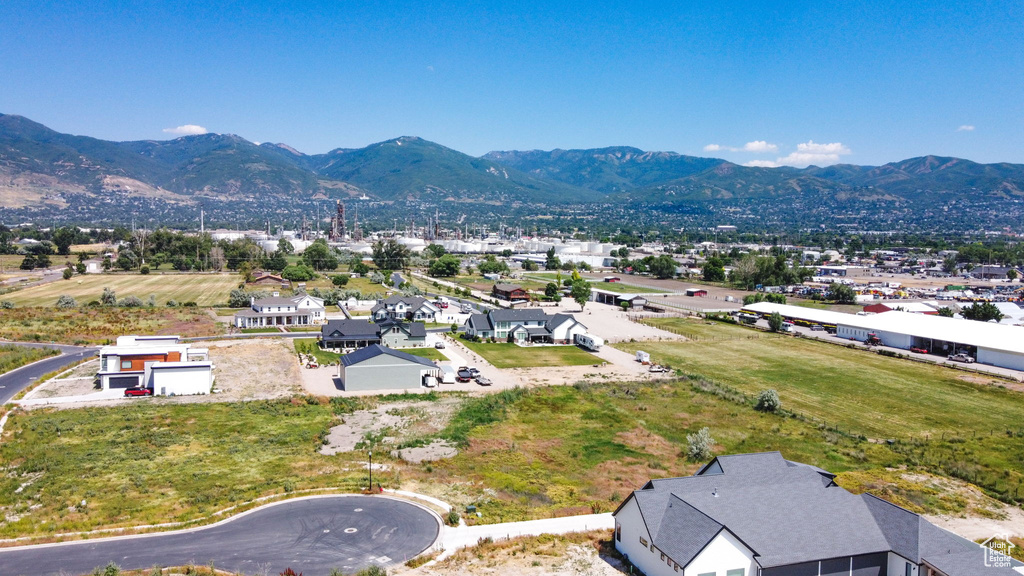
(715, 493)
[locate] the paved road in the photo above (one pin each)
(311, 536)
(14, 381)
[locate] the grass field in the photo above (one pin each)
(621, 288)
(428, 353)
(102, 325)
(858, 391)
(152, 463)
(12, 357)
(310, 346)
(505, 355)
(203, 289)
(265, 330)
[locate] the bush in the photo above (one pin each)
(144, 270)
(68, 273)
(6, 305)
(698, 448)
(298, 273)
(172, 303)
(66, 302)
(775, 322)
(768, 401)
(452, 518)
(130, 302)
(340, 279)
(109, 297)
(373, 571)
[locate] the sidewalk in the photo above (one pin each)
(463, 536)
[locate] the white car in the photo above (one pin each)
(961, 358)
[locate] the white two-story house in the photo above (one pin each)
(300, 310)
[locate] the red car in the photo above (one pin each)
(138, 392)
(919, 350)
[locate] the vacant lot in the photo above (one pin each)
(859, 391)
(505, 355)
(254, 369)
(203, 289)
(12, 357)
(101, 325)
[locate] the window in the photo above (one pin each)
(910, 570)
(618, 533)
(126, 364)
(737, 572)
(707, 574)
(643, 541)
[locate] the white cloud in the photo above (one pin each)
(712, 148)
(186, 130)
(761, 164)
(811, 152)
(430, 68)
(760, 147)
(812, 147)
(965, 128)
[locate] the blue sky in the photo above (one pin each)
(774, 83)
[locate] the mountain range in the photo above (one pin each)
(42, 169)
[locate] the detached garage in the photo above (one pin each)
(378, 368)
(181, 378)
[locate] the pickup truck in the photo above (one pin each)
(464, 375)
(961, 358)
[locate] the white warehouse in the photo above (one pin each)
(989, 343)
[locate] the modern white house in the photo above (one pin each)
(762, 515)
(398, 307)
(162, 363)
(300, 310)
(526, 325)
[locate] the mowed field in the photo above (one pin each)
(505, 355)
(859, 391)
(203, 289)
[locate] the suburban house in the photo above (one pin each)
(162, 363)
(510, 292)
(268, 279)
(762, 515)
(400, 307)
(299, 310)
(527, 325)
(341, 334)
(379, 368)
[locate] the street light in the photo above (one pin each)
(370, 454)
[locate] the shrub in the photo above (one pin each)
(340, 279)
(768, 401)
(172, 303)
(698, 446)
(373, 571)
(775, 322)
(144, 269)
(452, 518)
(109, 297)
(65, 302)
(6, 305)
(68, 273)
(130, 302)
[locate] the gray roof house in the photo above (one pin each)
(762, 515)
(399, 307)
(353, 333)
(379, 368)
(524, 325)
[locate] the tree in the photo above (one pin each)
(551, 290)
(63, 238)
(360, 268)
(982, 312)
(109, 297)
(276, 262)
(714, 270)
(80, 268)
(1011, 274)
(841, 293)
(946, 312)
(68, 273)
(530, 266)
(28, 262)
(285, 247)
(949, 265)
(298, 273)
(580, 292)
(552, 262)
(144, 270)
(445, 266)
(775, 322)
(492, 265)
(435, 250)
(319, 256)
(340, 279)
(768, 401)
(699, 445)
(390, 254)
(126, 259)
(65, 302)
(663, 266)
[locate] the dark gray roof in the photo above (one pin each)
(532, 330)
(557, 320)
(479, 322)
(413, 302)
(349, 329)
(276, 301)
(690, 528)
(415, 329)
(377, 350)
(956, 556)
(520, 315)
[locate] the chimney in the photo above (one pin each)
(252, 300)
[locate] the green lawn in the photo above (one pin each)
(203, 289)
(505, 355)
(12, 357)
(428, 353)
(622, 288)
(151, 463)
(265, 330)
(310, 346)
(859, 391)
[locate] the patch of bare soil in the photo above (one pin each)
(393, 424)
(67, 387)
(436, 450)
(566, 555)
(989, 381)
(253, 370)
(983, 516)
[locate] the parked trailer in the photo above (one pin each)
(589, 341)
(643, 357)
(447, 374)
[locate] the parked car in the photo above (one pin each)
(138, 392)
(474, 372)
(919, 350)
(817, 328)
(961, 358)
(464, 376)
(657, 368)
(439, 345)
(483, 381)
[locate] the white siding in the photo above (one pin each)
(182, 380)
(724, 553)
(630, 544)
(998, 358)
(898, 566)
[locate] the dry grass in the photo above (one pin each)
(101, 325)
(203, 289)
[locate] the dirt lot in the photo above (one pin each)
(254, 369)
(394, 424)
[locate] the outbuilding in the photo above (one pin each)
(379, 368)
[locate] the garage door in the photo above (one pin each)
(124, 381)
